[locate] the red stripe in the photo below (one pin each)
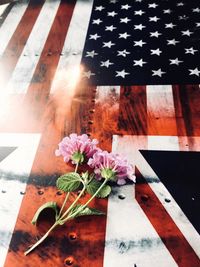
(133, 110)
(166, 228)
(17, 42)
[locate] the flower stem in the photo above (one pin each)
(41, 239)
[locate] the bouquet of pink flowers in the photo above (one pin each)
(102, 168)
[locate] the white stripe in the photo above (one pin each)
(127, 144)
(68, 70)
(130, 237)
(29, 58)
(11, 22)
(14, 172)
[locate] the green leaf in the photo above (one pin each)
(48, 205)
(80, 211)
(69, 182)
(94, 185)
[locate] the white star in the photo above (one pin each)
(156, 51)
(113, 1)
(99, 8)
(154, 5)
(198, 24)
(110, 28)
(180, 4)
(158, 72)
(183, 17)
(94, 36)
(194, 72)
(121, 73)
(190, 50)
(167, 11)
(108, 44)
(112, 14)
(155, 34)
(96, 21)
(197, 10)
(139, 27)
(155, 18)
(170, 25)
(88, 74)
(138, 1)
(175, 61)
(139, 62)
(124, 20)
(125, 6)
(188, 32)
(91, 53)
(124, 35)
(106, 63)
(123, 53)
(139, 12)
(172, 42)
(139, 43)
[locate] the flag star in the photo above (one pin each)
(170, 25)
(139, 62)
(88, 74)
(158, 72)
(91, 53)
(139, 12)
(183, 17)
(125, 6)
(113, 1)
(121, 73)
(155, 34)
(198, 24)
(106, 63)
(110, 28)
(124, 35)
(188, 32)
(172, 42)
(175, 61)
(155, 18)
(94, 36)
(96, 21)
(138, 1)
(112, 14)
(156, 51)
(194, 72)
(196, 10)
(108, 44)
(154, 5)
(123, 53)
(190, 50)
(167, 11)
(139, 43)
(139, 27)
(124, 20)
(180, 4)
(99, 8)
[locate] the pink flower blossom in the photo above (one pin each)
(111, 166)
(77, 148)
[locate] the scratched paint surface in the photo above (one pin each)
(42, 100)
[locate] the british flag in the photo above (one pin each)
(126, 73)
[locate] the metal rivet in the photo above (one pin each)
(3, 191)
(59, 193)
(40, 192)
(144, 197)
(72, 236)
(121, 196)
(22, 192)
(192, 198)
(90, 122)
(69, 261)
(167, 200)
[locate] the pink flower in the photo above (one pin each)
(77, 148)
(111, 166)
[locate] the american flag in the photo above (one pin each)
(138, 94)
